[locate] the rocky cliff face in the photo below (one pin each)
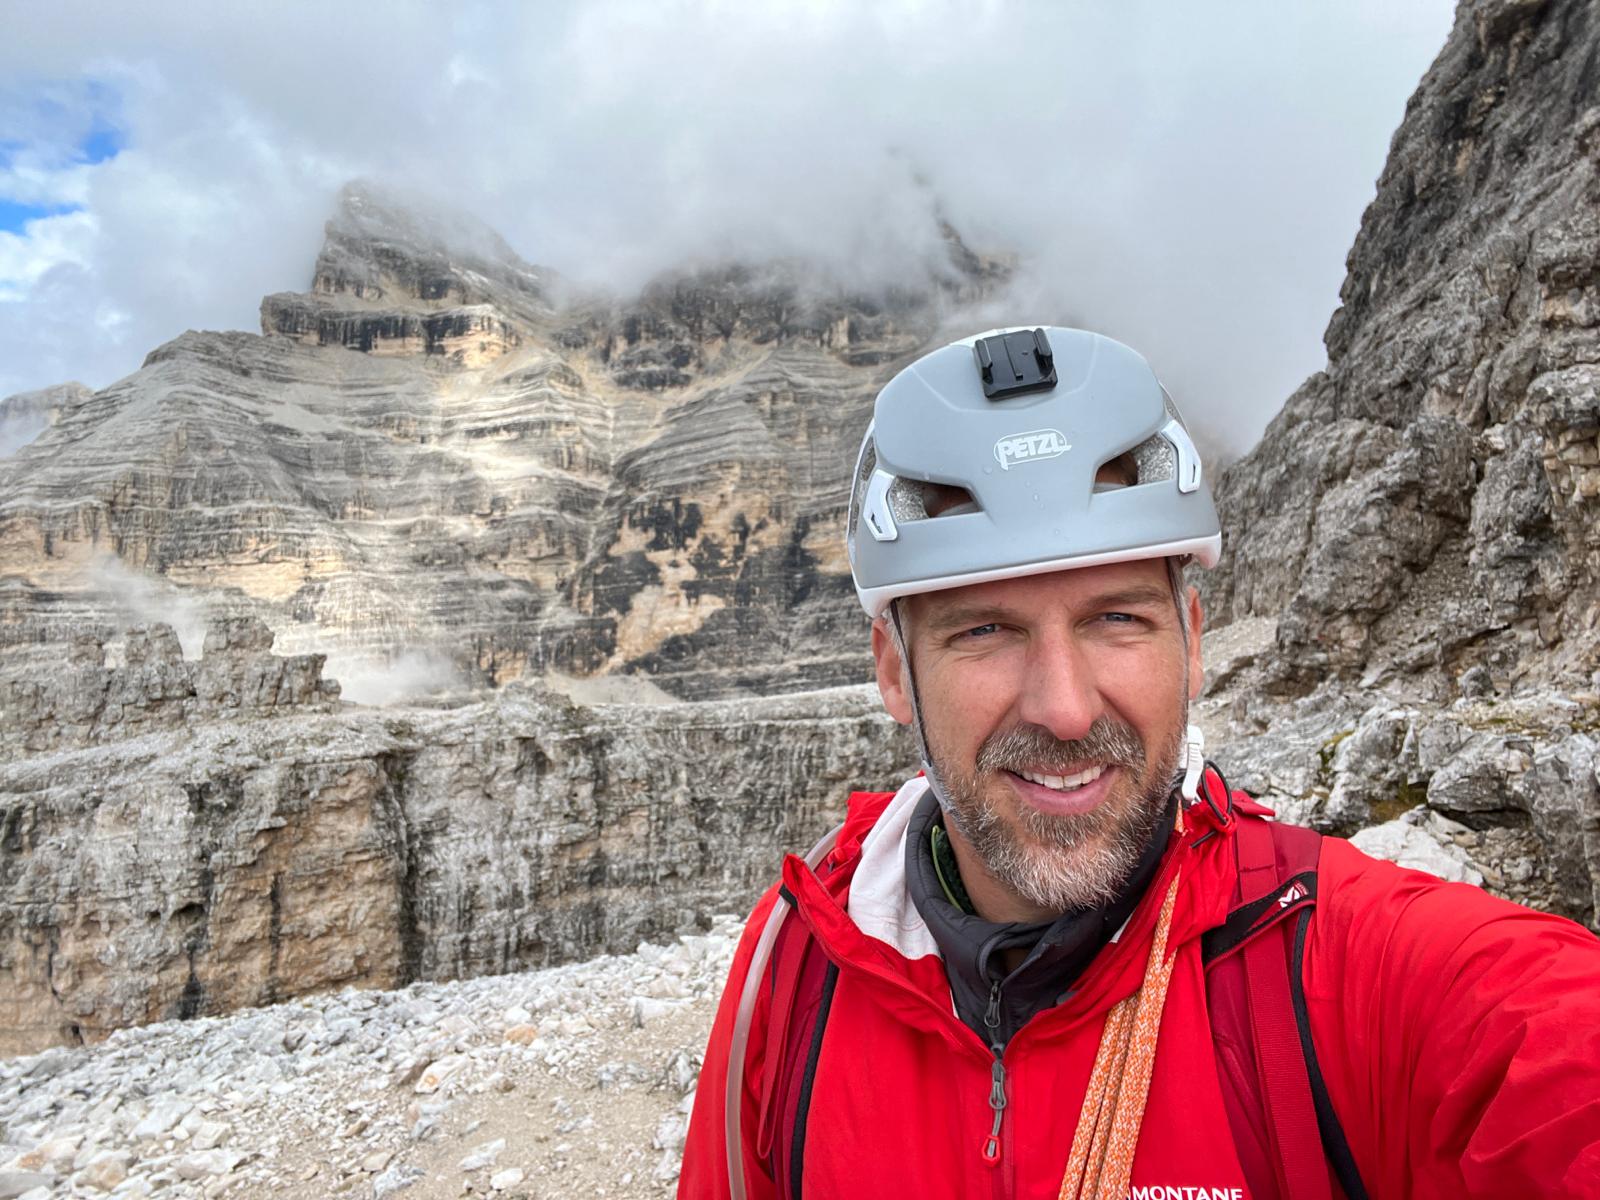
(184, 838)
(1412, 559)
(83, 702)
(390, 282)
(427, 451)
(1431, 501)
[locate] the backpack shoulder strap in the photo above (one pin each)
(1281, 1069)
(1277, 878)
(1282, 1117)
(1334, 1143)
(767, 964)
(801, 978)
(790, 953)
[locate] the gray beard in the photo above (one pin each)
(1067, 863)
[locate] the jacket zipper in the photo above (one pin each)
(997, 1075)
(997, 1069)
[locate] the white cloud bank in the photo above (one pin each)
(1186, 177)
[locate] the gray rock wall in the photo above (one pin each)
(83, 702)
(1431, 501)
(265, 850)
(1511, 781)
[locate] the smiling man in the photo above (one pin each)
(1065, 961)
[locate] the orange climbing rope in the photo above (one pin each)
(1101, 1161)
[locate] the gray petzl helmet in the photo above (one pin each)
(1022, 420)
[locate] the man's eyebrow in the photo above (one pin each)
(967, 616)
(1134, 597)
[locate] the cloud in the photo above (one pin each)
(412, 675)
(141, 599)
(46, 243)
(1185, 177)
(15, 433)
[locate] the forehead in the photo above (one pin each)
(1052, 590)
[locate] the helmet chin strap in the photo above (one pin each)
(932, 776)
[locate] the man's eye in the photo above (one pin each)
(1120, 618)
(982, 630)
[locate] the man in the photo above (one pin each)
(1064, 960)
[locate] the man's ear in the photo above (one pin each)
(893, 685)
(1197, 672)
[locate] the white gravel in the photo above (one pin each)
(571, 1081)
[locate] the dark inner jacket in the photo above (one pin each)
(994, 1004)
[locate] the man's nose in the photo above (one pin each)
(1059, 691)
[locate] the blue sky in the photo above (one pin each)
(14, 215)
(1196, 173)
(100, 144)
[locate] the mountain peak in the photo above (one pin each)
(401, 274)
(382, 246)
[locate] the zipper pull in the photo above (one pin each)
(991, 1015)
(997, 1101)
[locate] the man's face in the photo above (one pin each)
(1054, 709)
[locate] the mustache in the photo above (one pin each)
(1033, 748)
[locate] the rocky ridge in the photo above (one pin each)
(1411, 576)
(85, 702)
(399, 281)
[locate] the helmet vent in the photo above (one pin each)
(905, 500)
(1155, 460)
(942, 500)
(1151, 461)
(865, 465)
(913, 500)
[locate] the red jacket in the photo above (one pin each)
(1458, 1036)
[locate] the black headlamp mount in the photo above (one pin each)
(1016, 362)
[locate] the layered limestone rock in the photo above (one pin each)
(393, 282)
(427, 453)
(83, 701)
(240, 844)
(1411, 575)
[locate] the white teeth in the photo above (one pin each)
(1064, 783)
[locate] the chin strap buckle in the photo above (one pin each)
(1194, 763)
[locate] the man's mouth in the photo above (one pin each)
(1064, 783)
